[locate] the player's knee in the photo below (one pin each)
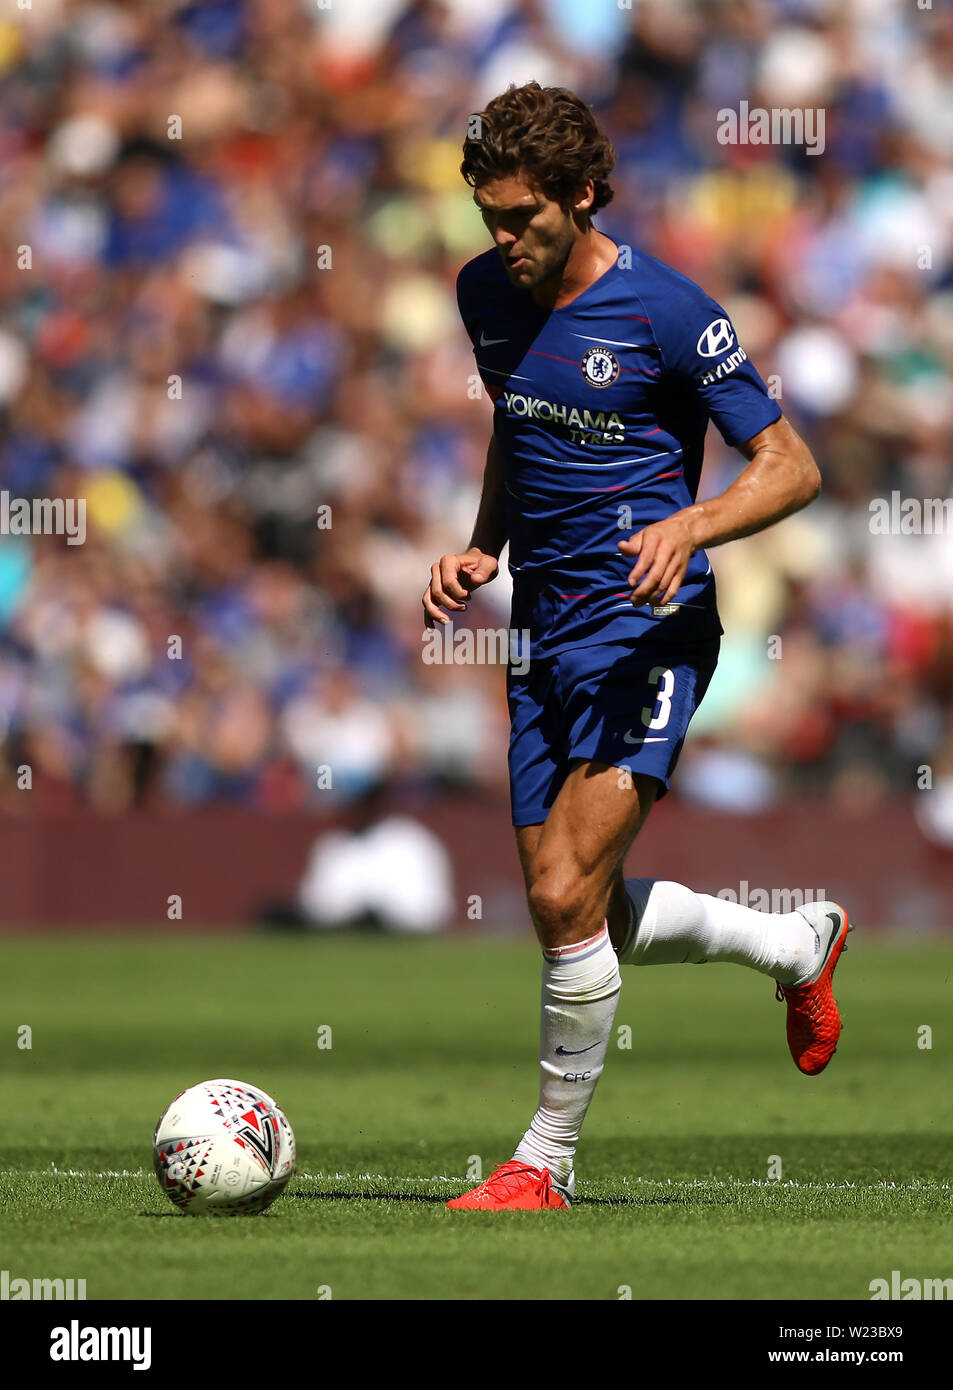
(558, 901)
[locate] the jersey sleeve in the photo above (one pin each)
(465, 300)
(699, 345)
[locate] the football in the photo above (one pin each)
(223, 1148)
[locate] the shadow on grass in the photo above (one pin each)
(438, 1199)
(359, 1195)
(203, 1218)
(441, 1199)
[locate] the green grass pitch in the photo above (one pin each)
(432, 1068)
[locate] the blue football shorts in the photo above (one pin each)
(627, 704)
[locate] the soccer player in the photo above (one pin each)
(604, 369)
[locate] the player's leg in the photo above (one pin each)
(570, 867)
(658, 922)
(569, 864)
(575, 818)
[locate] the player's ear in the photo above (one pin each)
(582, 199)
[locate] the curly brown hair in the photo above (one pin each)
(547, 131)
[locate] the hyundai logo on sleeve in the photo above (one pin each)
(716, 338)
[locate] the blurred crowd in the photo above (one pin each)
(230, 237)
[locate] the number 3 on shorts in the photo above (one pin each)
(665, 680)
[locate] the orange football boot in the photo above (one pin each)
(514, 1186)
(814, 1024)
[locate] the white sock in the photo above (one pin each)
(581, 986)
(670, 923)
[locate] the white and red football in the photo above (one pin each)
(223, 1148)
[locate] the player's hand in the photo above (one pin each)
(453, 579)
(662, 552)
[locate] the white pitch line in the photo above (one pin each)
(881, 1185)
(72, 1173)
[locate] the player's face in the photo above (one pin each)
(533, 234)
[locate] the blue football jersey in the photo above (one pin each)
(600, 412)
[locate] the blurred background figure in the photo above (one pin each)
(389, 871)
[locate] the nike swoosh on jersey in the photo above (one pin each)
(488, 342)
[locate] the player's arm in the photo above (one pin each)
(454, 577)
(781, 478)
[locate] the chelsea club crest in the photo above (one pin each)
(599, 366)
